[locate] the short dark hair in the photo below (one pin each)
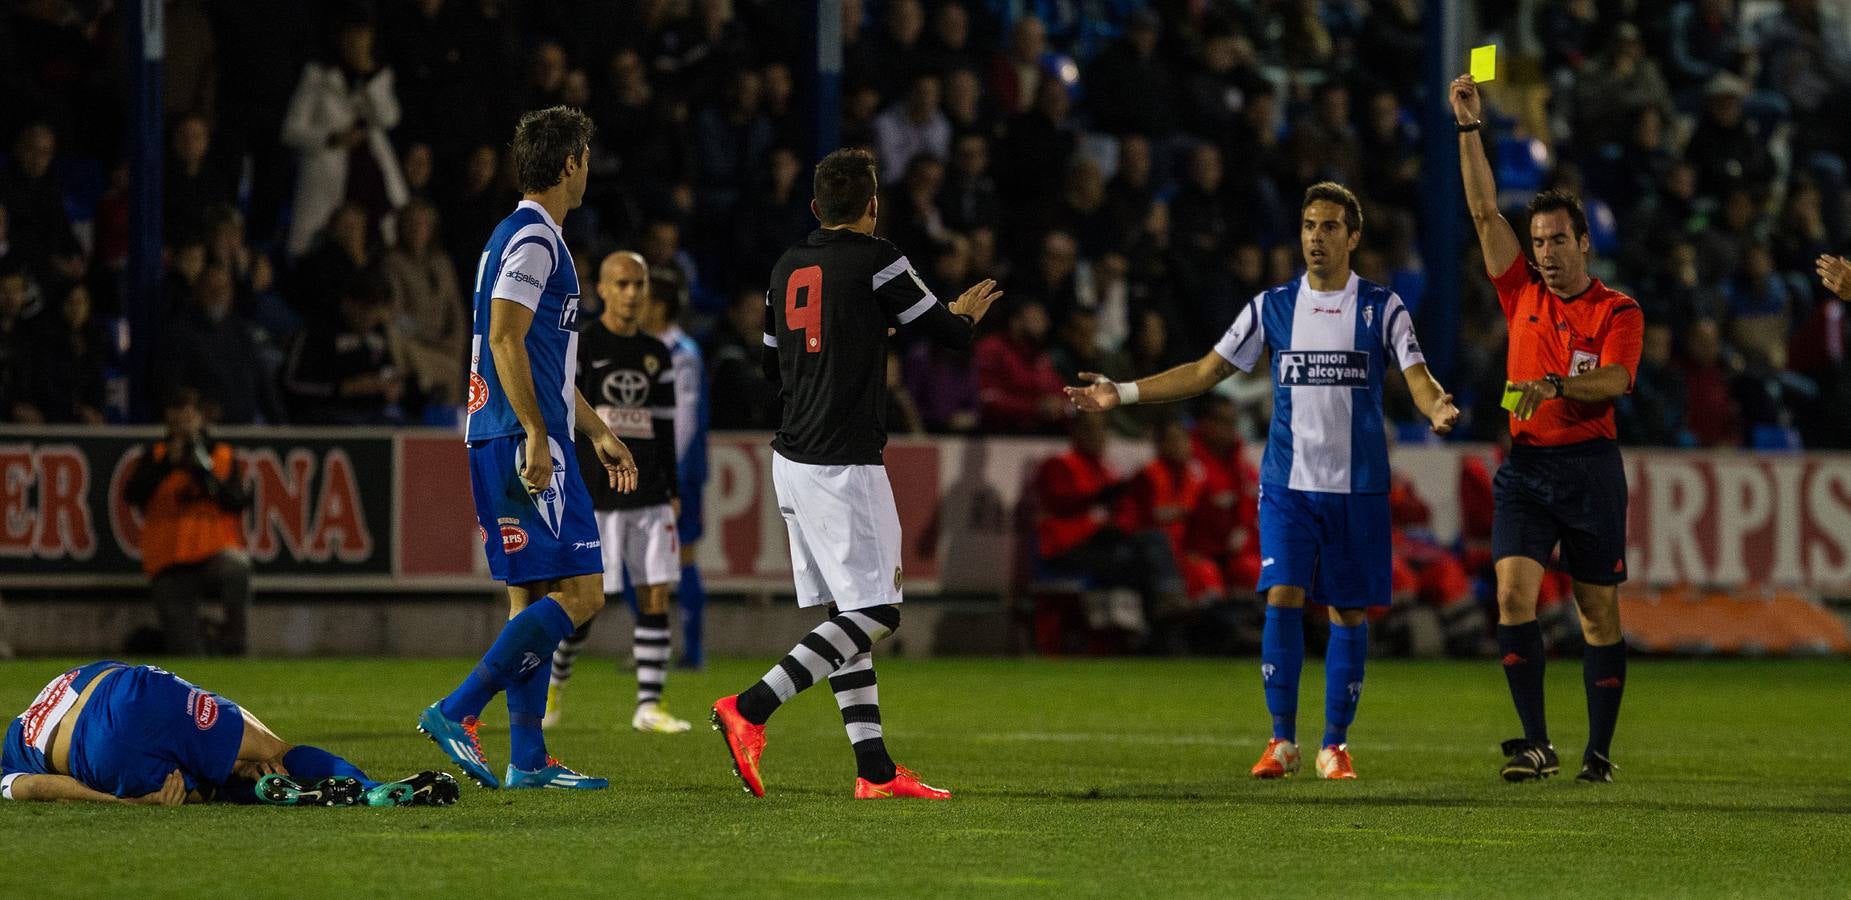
(1332, 192)
(665, 287)
(844, 184)
(543, 141)
(1558, 199)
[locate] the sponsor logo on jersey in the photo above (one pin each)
(568, 314)
(1323, 368)
(481, 533)
(586, 545)
(529, 662)
(203, 709)
(523, 277)
(1326, 311)
(626, 387)
(513, 538)
(478, 392)
(39, 714)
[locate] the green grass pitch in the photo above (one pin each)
(1098, 778)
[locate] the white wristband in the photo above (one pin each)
(6, 785)
(1127, 392)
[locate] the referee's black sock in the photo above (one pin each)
(1521, 647)
(1603, 670)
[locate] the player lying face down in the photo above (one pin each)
(115, 733)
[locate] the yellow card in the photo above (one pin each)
(1485, 63)
(1512, 396)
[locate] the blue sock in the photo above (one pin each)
(526, 707)
(523, 646)
(307, 763)
(1343, 679)
(692, 597)
(1282, 658)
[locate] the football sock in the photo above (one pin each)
(692, 598)
(1522, 650)
(526, 711)
(1603, 670)
(1344, 659)
(566, 654)
(1282, 658)
(516, 652)
(859, 699)
(820, 653)
(307, 763)
(651, 657)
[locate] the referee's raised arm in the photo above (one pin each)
(1496, 238)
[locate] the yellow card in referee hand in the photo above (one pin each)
(1485, 64)
(1512, 396)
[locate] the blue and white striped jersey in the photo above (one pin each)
(526, 262)
(1329, 351)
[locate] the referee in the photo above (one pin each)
(1574, 348)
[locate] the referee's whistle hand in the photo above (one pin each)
(1534, 393)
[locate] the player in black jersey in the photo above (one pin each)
(624, 374)
(833, 300)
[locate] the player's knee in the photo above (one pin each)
(1289, 597)
(1516, 601)
(1348, 618)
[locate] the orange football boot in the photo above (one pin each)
(1334, 763)
(745, 742)
(904, 784)
(1279, 761)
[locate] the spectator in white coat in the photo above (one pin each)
(338, 122)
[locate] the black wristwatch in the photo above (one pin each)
(1473, 126)
(1556, 380)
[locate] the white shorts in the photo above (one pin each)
(845, 533)
(642, 539)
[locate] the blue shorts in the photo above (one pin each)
(688, 524)
(1573, 495)
(532, 537)
(1338, 547)
(143, 722)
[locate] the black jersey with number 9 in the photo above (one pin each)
(831, 300)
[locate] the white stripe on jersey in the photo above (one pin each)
(894, 270)
(771, 340)
(918, 309)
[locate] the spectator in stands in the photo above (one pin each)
(1036, 150)
(1020, 391)
(38, 229)
(213, 350)
(338, 123)
(1221, 539)
(1653, 414)
(1709, 379)
(1727, 148)
(902, 412)
(903, 57)
(1054, 280)
(1566, 29)
(1704, 41)
(1324, 145)
(777, 215)
(966, 106)
(470, 215)
(1078, 350)
(1390, 147)
(428, 306)
(969, 198)
(743, 398)
(912, 127)
(1760, 310)
(948, 47)
(730, 142)
(909, 209)
(18, 338)
(1612, 91)
(67, 361)
(1801, 235)
(196, 182)
(191, 492)
(1016, 74)
(1130, 85)
(1200, 216)
(419, 166)
(346, 249)
(351, 371)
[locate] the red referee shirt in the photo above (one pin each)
(1597, 327)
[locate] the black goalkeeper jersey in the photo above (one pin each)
(832, 299)
(628, 382)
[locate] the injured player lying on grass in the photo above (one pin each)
(111, 732)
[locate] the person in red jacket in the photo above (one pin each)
(1017, 387)
(1221, 544)
(1163, 495)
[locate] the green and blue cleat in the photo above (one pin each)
(459, 742)
(282, 790)
(422, 789)
(553, 775)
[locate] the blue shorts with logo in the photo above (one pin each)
(1338, 547)
(532, 537)
(143, 722)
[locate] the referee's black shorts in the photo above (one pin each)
(1574, 495)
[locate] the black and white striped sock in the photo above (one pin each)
(820, 653)
(651, 657)
(858, 697)
(566, 654)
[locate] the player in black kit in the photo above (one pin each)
(833, 300)
(624, 374)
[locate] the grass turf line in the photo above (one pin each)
(1107, 778)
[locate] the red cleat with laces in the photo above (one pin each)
(745, 742)
(904, 784)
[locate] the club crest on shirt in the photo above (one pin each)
(651, 364)
(1368, 316)
(550, 502)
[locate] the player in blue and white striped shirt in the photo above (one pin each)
(1324, 523)
(531, 505)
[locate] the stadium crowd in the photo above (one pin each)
(1128, 170)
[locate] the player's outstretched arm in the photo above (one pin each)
(1431, 399)
(1496, 238)
(613, 454)
(508, 322)
(1835, 274)
(1181, 383)
(47, 788)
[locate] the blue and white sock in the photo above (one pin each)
(1282, 659)
(1344, 659)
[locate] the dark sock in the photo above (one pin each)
(1344, 662)
(872, 761)
(307, 763)
(1603, 671)
(1522, 649)
(692, 597)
